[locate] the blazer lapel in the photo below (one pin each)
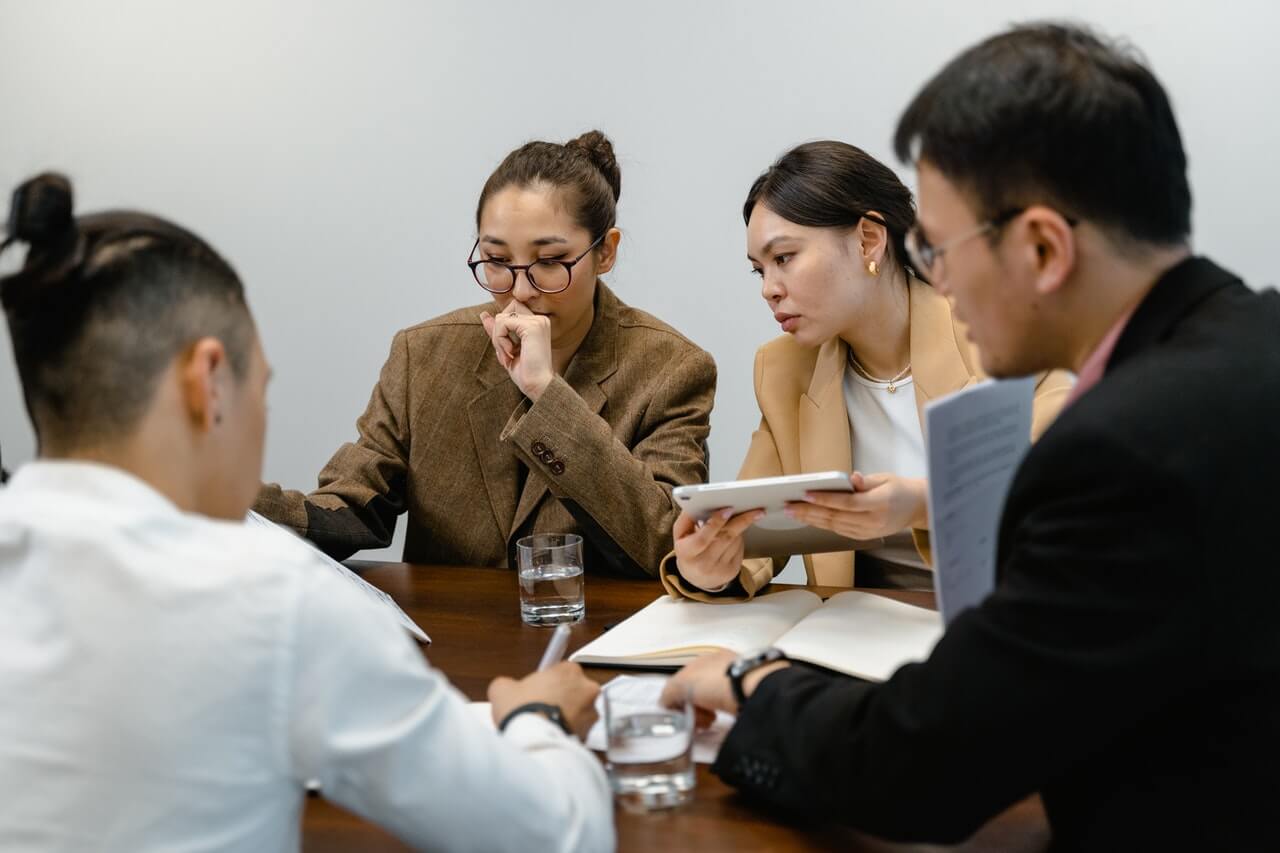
(488, 413)
(826, 445)
(824, 420)
(595, 361)
(535, 488)
(938, 366)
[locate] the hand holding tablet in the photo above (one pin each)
(709, 550)
(879, 505)
(748, 518)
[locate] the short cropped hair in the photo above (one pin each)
(1054, 114)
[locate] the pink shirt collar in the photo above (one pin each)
(1096, 364)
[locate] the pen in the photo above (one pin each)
(555, 648)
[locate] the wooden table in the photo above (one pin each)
(473, 618)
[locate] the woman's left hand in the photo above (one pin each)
(880, 505)
(522, 342)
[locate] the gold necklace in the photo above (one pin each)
(892, 384)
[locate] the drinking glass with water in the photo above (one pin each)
(650, 747)
(550, 572)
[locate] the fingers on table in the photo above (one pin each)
(674, 691)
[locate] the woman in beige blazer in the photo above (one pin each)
(554, 408)
(867, 345)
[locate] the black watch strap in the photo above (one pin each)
(739, 668)
(551, 712)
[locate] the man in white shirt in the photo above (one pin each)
(173, 678)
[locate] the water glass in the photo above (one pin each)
(649, 751)
(550, 571)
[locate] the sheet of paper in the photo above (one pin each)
(642, 690)
(976, 439)
(367, 589)
(674, 625)
(865, 635)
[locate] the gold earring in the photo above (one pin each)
(873, 268)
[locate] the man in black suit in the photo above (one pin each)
(1127, 666)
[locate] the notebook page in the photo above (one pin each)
(866, 635)
(672, 627)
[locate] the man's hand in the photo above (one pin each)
(563, 685)
(706, 682)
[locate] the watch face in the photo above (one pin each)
(743, 665)
(744, 662)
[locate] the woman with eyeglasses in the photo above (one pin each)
(554, 408)
(867, 344)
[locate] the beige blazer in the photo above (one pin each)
(804, 424)
(449, 439)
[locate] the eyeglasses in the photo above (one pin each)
(546, 275)
(924, 256)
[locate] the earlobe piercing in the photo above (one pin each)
(873, 268)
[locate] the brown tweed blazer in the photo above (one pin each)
(448, 438)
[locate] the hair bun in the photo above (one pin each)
(41, 212)
(600, 150)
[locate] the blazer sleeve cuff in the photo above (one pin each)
(537, 432)
(754, 576)
(924, 545)
(288, 508)
(751, 757)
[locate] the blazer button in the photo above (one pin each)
(538, 448)
(557, 467)
(547, 457)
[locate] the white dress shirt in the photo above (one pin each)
(169, 682)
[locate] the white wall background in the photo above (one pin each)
(334, 150)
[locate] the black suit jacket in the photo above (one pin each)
(1128, 664)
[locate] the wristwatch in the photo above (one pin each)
(551, 712)
(741, 666)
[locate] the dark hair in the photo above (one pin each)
(1050, 113)
(102, 305)
(830, 184)
(584, 168)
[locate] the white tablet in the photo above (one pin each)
(775, 534)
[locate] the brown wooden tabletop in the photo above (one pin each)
(473, 618)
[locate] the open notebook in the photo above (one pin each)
(858, 633)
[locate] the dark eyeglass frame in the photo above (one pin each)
(925, 256)
(513, 269)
